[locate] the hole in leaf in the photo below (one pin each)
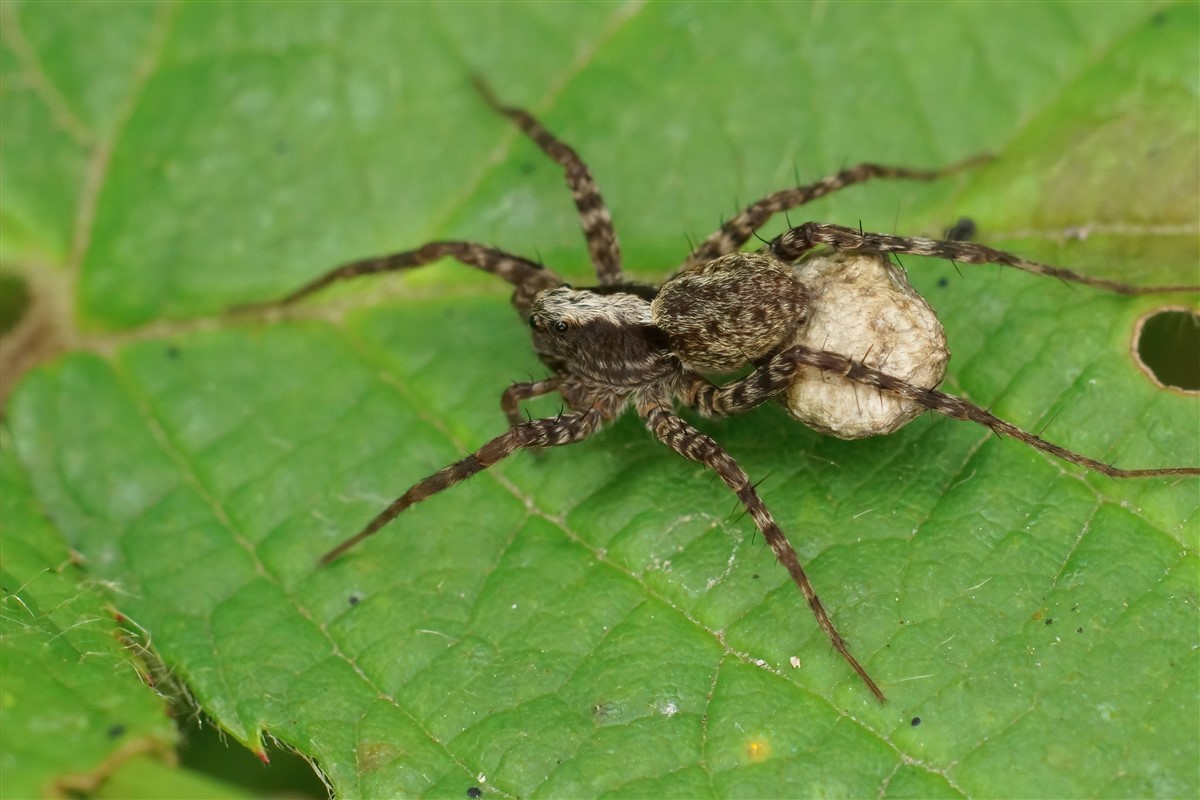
(1166, 345)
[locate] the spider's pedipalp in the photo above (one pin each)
(794, 243)
(687, 441)
(738, 230)
(514, 394)
(551, 432)
(594, 217)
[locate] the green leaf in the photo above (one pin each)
(150, 778)
(594, 620)
(75, 707)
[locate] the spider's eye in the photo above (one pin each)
(560, 326)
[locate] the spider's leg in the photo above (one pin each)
(549, 432)
(528, 277)
(738, 230)
(513, 395)
(690, 443)
(794, 243)
(737, 397)
(593, 213)
(787, 361)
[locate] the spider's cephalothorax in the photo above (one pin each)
(604, 341)
(816, 314)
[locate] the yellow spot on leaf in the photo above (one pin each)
(371, 756)
(758, 750)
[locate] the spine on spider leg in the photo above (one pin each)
(369, 266)
(785, 554)
(690, 443)
(561, 430)
(737, 231)
(741, 396)
(594, 217)
(792, 244)
(958, 408)
(527, 276)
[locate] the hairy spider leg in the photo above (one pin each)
(793, 243)
(527, 276)
(770, 378)
(548, 432)
(597, 223)
(738, 230)
(693, 445)
(777, 375)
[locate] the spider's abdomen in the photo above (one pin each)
(862, 307)
(735, 309)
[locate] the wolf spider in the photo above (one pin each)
(621, 343)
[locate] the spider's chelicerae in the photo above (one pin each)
(817, 313)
